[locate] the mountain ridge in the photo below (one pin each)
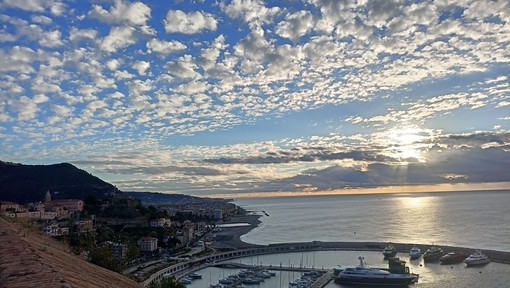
(23, 183)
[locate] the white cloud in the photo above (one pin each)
(135, 13)
(28, 5)
(253, 12)
(27, 108)
(178, 21)
(119, 37)
(41, 19)
(113, 64)
(296, 25)
(51, 39)
(141, 67)
(76, 34)
(183, 68)
(164, 47)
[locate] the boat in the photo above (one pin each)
(452, 258)
(389, 251)
(363, 274)
(415, 253)
(476, 259)
(194, 275)
(433, 254)
(185, 280)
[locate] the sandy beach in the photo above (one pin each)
(230, 237)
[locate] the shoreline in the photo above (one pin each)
(230, 237)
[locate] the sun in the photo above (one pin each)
(406, 142)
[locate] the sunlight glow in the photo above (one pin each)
(405, 143)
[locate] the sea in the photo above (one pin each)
(477, 219)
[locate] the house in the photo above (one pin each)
(161, 222)
(54, 230)
(148, 244)
(9, 206)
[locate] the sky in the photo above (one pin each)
(257, 98)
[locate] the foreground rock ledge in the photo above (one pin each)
(28, 259)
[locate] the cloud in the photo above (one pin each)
(253, 12)
(118, 38)
(141, 67)
(296, 25)
(28, 5)
(178, 21)
(136, 13)
(164, 47)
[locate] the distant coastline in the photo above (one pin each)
(230, 237)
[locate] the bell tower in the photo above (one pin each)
(47, 198)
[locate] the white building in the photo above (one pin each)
(148, 244)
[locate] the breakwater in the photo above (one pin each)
(206, 261)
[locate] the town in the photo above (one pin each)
(123, 234)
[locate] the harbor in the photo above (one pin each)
(312, 255)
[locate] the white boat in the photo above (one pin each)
(415, 253)
(477, 258)
(365, 275)
(389, 251)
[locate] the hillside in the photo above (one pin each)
(29, 259)
(29, 183)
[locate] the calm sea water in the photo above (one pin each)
(468, 219)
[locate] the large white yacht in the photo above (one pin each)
(415, 253)
(477, 258)
(363, 274)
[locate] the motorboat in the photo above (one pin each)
(415, 253)
(185, 280)
(452, 258)
(433, 254)
(363, 274)
(194, 275)
(389, 251)
(477, 258)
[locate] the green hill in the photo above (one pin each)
(29, 183)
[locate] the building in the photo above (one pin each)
(161, 222)
(54, 230)
(72, 205)
(217, 214)
(148, 244)
(9, 206)
(118, 250)
(85, 225)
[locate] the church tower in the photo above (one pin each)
(47, 198)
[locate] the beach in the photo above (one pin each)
(230, 237)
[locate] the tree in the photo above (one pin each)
(169, 282)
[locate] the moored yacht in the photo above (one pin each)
(415, 253)
(433, 254)
(477, 258)
(389, 251)
(363, 274)
(452, 258)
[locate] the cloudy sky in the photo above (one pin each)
(252, 97)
